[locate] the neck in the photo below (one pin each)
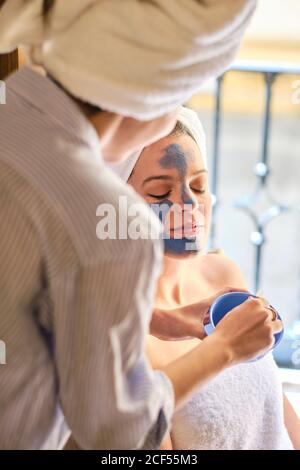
(169, 283)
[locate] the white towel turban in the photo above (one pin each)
(192, 123)
(138, 58)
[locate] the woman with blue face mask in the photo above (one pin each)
(243, 407)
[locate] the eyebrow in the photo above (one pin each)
(167, 177)
(199, 172)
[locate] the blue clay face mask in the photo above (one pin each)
(169, 176)
(176, 158)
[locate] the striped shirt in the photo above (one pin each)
(74, 310)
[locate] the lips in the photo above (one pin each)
(187, 230)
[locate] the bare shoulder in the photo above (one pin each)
(218, 267)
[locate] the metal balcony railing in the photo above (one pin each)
(269, 71)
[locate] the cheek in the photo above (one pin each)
(207, 217)
(205, 205)
(208, 206)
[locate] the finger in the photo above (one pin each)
(265, 302)
(277, 326)
(197, 310)
(274, 312)
(252, 299)
(258, 301)
(201, 334)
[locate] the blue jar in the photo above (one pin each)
(226, 302)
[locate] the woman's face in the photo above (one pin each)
(171, 176)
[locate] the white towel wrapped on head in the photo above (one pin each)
(138, 58)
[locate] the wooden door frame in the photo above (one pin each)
(8, 62)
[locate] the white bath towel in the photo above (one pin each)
(139, 58)
(241, 409)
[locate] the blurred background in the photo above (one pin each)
(252, 120)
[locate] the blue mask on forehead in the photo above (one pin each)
(175, 157)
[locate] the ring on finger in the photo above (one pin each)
(274, 312)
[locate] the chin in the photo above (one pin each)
(183, 248)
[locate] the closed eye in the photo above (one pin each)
(160, 196)
(199, 191)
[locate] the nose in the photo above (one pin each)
(189, 199)
(190, 207)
